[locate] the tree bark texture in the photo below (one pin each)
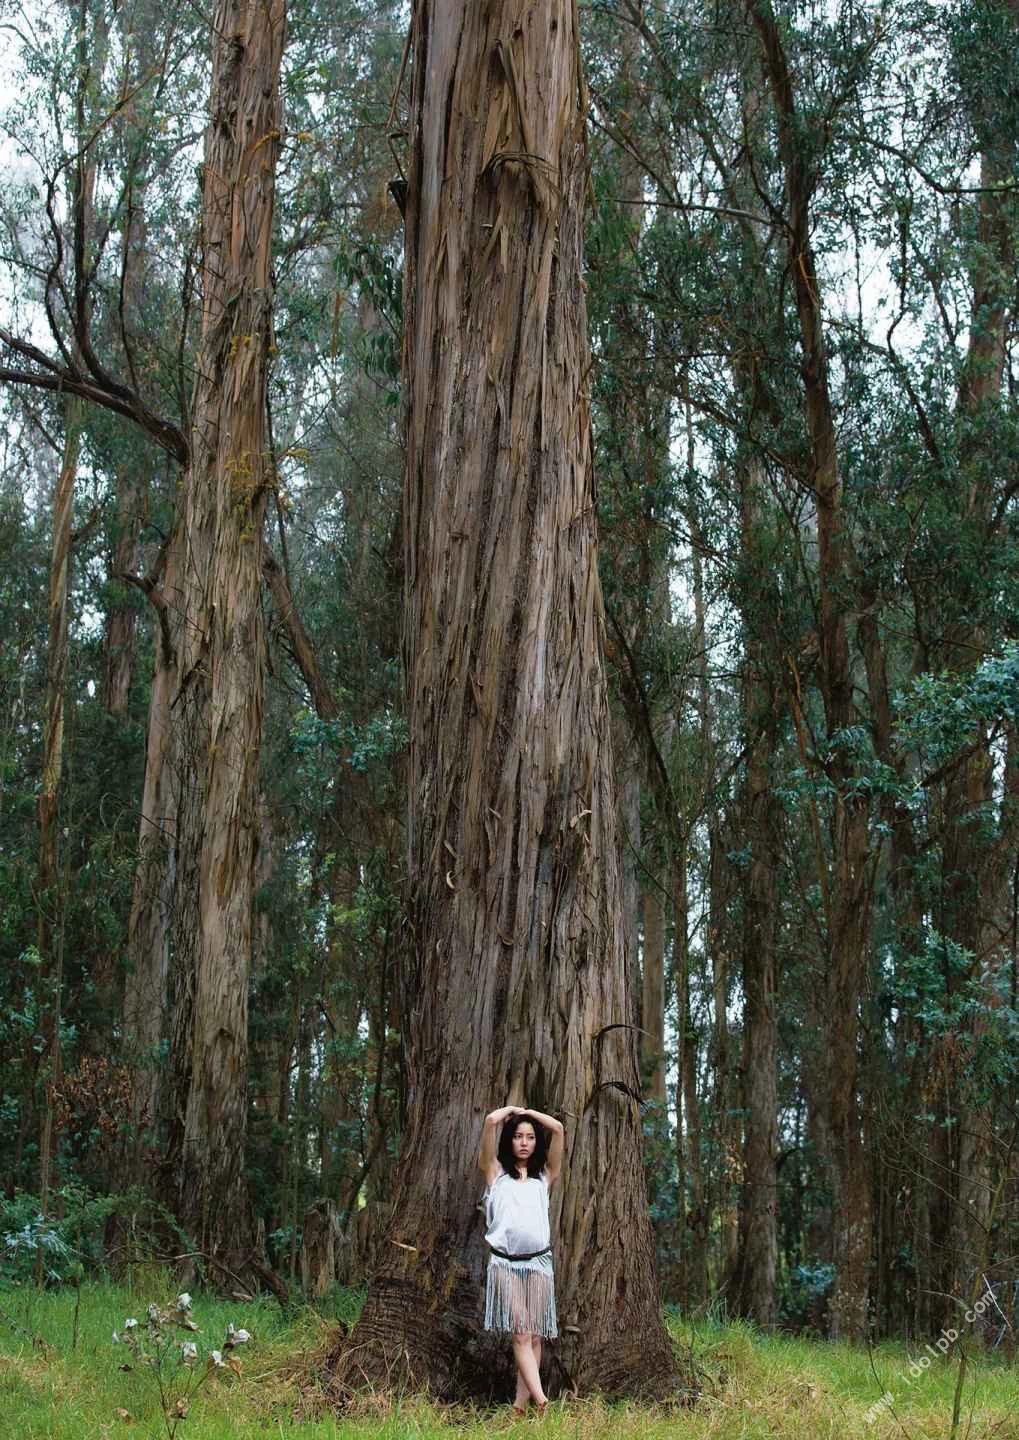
(49, 941)
(516, 984)
(148, 935)
(216, 569)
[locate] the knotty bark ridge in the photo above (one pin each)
(516, 981)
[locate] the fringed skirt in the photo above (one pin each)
(520, 1296)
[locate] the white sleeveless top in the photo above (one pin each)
(516, 1214)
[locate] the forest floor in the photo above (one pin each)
(66, 1381)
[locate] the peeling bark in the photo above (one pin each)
(215, 569)
(517, 984)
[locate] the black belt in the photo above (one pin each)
(505, 1255)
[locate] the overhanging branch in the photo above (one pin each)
(48, 374)
(304, 651)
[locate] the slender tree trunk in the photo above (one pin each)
(847, 891)
(758, 1266)
(756, 1269)
(628, 788)
(145, 986)
(119, 640)
(518, 967)
(724, 1101)
(139, 26)
(851, 1170)
(216, 571)
(652, 1040)
(711, 1197)
(631, 450)
(90, 59)
(696, 1279)
(820, 1242)
(341, 1076)
(681, 1139)
(50, 902)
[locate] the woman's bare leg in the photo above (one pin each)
(522, 1396)
(523, 1353)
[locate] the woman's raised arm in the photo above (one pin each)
(488, 1159)
(554, 1158)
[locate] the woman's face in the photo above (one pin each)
(523, 1141)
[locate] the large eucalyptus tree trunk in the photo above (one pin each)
(215, 567)
(516, 982)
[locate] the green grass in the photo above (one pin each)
(755, 1385)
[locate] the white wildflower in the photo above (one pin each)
(216, 1358)
(235, 1337)
(184, 1301)
(130, 1324)
(189, 1351)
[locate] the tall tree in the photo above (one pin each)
(50, 937)
(90, 54)
(517, 983)
(215, 567)
(844, 878)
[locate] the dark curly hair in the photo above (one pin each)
(538, 1156)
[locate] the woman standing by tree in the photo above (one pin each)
(519, 1169)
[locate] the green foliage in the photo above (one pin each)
(72, 1237)
(367, 748)
(805, 1292)
(940, 713)
(377, 275)
(984, 66)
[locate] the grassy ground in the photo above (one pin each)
(755, 1386)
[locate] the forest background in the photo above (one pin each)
(801, 283)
